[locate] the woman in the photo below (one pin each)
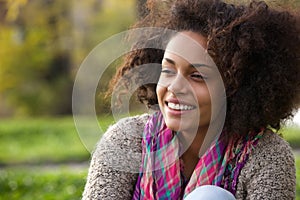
(256, 50)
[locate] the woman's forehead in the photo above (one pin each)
(190, 46)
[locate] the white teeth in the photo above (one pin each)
(179, 106)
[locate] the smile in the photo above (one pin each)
(175, 106)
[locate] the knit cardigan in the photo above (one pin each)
(268, 174)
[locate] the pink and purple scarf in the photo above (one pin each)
(161, 175)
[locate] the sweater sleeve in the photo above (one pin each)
(270, 171)
(116, 161)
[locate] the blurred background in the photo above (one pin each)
(42, 44)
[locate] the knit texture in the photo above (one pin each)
(268, 174)
(161, 175)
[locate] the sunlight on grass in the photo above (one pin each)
(28, 184)
(298, 177)
(292, 135)
(40, 140)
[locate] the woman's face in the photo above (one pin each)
(182, 90)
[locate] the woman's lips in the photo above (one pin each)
(179, 106)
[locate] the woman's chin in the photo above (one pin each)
(182, 125)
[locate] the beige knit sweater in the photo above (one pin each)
(268, 174)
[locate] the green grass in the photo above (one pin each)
(55, 140)
(298, 177)
(42, 140)
(292, 135)
(28, 184)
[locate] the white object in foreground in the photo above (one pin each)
(210, 192)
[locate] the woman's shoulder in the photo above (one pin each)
(269, 171)
(116, 161)
(125, 131)
(120, 146)
(272, 152)
(272, 146)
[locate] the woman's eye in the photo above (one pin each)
(197, 76)
(167, 71)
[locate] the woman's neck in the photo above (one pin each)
(191, 147)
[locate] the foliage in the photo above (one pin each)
(298, 177)
(43, 140)
(33, 63)
(27, 184)
(43, 44)
(40, 141)
(292, 135)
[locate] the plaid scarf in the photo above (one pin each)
(161, 176)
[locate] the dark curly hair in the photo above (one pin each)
(256, 48)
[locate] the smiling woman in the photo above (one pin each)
(222, 57)
(183, 96)
(181, 103)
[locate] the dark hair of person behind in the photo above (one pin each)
(256, 48)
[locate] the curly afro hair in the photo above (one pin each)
(256, 48)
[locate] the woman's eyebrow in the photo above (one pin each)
(194, 65)
(170, 61)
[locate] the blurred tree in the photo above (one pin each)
(44, 42)
(13, 8)
(109, 18)
(34, 61)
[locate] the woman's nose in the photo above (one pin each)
(178, 85)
